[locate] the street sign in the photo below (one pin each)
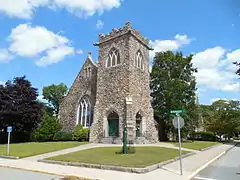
(175, 122)
(178, 123)
(176, 111)
(9, 129)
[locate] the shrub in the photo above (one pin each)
(205, 136)
(62, 136)
(80, 133)
(47, 128)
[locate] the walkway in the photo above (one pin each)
(169, 171)
(93, 145)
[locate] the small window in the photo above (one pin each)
(139, 60)
(113, 58)
(87, 72)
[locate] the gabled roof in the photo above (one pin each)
(89, 57)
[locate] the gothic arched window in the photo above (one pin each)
(84, 112)
(113, 58)
(139, 60)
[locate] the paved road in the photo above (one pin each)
(15, 174)
(225, 168)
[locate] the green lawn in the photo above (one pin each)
(34, 148)
(144, 156)
(197, 145)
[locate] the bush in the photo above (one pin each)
(205, 136)
(80, 133)
(47, 128)
(62, 136)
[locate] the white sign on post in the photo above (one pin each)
(9, 130)
(178, 123)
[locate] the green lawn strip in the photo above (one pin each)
(196, 145)
(35, 148)
(144, 156)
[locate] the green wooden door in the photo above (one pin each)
(138, 128)
(113, 127)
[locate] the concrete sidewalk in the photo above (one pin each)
(94, 145)
(170, 171)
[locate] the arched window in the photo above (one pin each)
(113, 58)
(84, 112)
(139, 60)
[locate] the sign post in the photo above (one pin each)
(178, 122)
(9, 130)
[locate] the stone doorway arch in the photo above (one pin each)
(113, 124)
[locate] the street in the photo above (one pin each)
(225, 168)
(15, 174)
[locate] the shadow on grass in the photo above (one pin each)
(130, 150)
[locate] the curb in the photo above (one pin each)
(8, 157)
(210, 161)
(118, 168)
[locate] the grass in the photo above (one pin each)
(35, 148)
(144, 156)
(196, 145)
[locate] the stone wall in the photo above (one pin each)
(82, 86)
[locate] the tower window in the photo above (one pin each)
(113, 58)
(139, 60)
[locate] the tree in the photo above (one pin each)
(173, 86)
(54, 94)
(47, 128)
(223, 118)
(19, 108)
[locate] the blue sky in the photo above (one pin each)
(48, 40)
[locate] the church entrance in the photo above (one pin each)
(113, 124)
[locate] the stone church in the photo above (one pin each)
(114, 93)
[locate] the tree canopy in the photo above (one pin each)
(222, 117)
(19, 108)
(54, 94)
(173, 86)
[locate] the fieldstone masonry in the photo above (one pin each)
(122, 88)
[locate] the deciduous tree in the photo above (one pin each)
(54, 94)
(19, 108)
(173, 87)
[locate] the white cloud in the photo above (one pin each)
(5, 56)
(216, 69)
(172, 45)
(21, 8)
(99, 24)
(2, 82)
(27, 40)
(36, 41)
(55, 55)
(26, 8)
(79, 51)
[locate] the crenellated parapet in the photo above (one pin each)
(116, 32)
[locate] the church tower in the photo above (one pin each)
(123, 91)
